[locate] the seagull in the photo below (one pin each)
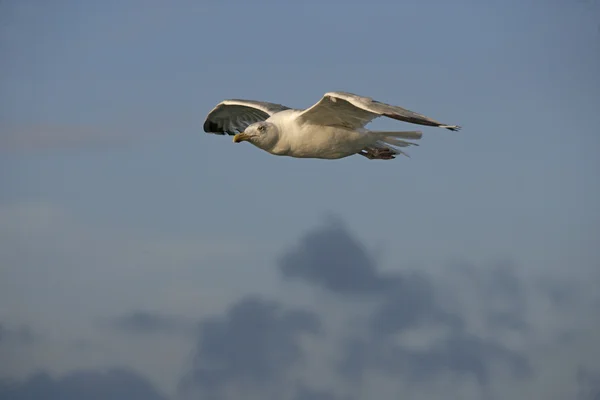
(331, 129)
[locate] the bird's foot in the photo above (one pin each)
(378, 153)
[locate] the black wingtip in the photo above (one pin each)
(454, 128)
(212, 127)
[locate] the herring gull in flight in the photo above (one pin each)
(333, 128)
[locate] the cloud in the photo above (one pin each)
(330, 258)
(409, 333)
(114, 384)
(362, 330)
(499, 288)
(144, 322)
(22, 335)
(66, 277)
(304, 392)
(459, 354)
(411, 302)
(254, 344)
(588, 384)
(483, 329)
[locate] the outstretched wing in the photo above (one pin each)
(233, 116)
(353, 111)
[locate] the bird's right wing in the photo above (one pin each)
(235, 115)
(353, 111)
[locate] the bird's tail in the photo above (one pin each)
(385, 145)
(389, 142)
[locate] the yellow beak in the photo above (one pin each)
(240, 137)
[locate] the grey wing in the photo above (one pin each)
(353, 111)
(235, 115)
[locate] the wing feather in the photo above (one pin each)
(235, 115)
(353, 111)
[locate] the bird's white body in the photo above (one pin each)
(332, 128)
(306, 140)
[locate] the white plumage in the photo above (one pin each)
(333, 128)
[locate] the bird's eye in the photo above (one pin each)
(261, 128)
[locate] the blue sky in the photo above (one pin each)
(114, 196)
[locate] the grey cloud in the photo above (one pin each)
(563, 294)
(256, 342)
(305, 392)
(506, 320)
(480, 318)
(411, 303)
(461, 354)
(114, 384)
(458, 353)
(506, 303)
(497, 289)
(329, 257)
(20, 335)
(144, 322)
(588, 384)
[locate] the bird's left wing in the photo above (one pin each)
(233, 116)
(353, 111)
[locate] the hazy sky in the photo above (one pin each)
(190, 266)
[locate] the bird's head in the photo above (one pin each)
(261, 134)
